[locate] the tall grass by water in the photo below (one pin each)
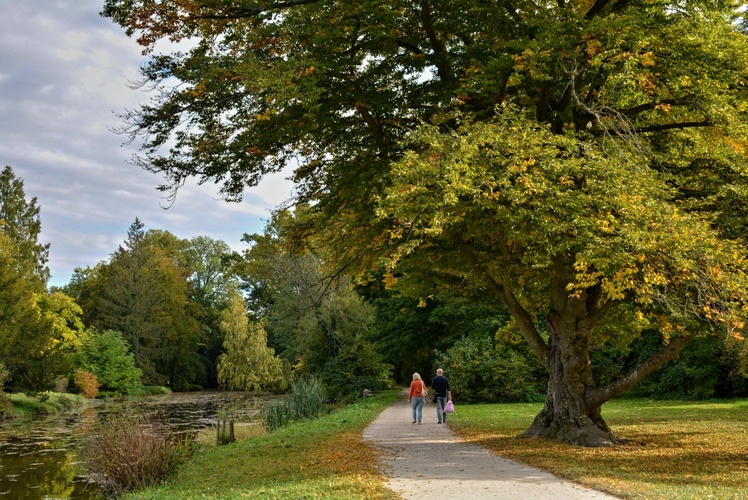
(131, 451)
(673, 449)
(305, 400)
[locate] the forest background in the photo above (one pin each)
(167, 312)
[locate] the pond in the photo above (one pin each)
(39, 459)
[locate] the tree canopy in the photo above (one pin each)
(20, 221)
(573, 161)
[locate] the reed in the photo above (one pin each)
(129, 452)
(305, 401)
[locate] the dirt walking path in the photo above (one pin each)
(429, 461)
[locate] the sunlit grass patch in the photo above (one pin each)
(45, 402)
(673, 449)
(322, 458)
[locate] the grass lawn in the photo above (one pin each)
(674, 449)
(324, 458)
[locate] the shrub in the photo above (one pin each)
(87, 383)
(130, 452)
(6, 406)
(45, 402)
(307, 397)
(277, 414)
(150, 390)
(107, 355)
(5, 403)
(480, 371)
(61, 384)
(356, 367)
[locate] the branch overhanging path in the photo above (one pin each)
(428, 460)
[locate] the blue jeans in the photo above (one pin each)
(440, 402)
(416, 404)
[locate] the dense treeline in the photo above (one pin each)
(192, 314)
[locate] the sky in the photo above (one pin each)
(65, 75)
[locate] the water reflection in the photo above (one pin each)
(39, 460)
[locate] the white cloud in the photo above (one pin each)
(65, 74)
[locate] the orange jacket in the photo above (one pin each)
(417, 388)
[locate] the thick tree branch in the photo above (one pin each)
(252, 12)
(520, 315)
(440, 49)
(670, 126)
(600, 5)
(596, 8)
(598, 396)
(409, 46)
(650, 106)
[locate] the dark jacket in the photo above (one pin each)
(441, 386)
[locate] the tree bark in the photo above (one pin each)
(568, 415)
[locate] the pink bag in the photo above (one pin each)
(449, 407)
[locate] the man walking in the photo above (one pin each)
(440, 384)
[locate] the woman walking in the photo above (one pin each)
(416, 396)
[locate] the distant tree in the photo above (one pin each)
(25, 334)
(84, 286)
(20, 221)
(143, 293)
(213, 283)
(247, 363)
(209, 261)
(19, 315)
(62, 327)
(316, 321)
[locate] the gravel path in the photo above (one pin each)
(427, 461)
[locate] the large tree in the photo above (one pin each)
(27, 325)
(566, 159)
(21, 222)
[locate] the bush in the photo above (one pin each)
(131, 452)
(6, 406)
(45, 402)
(278, 414)
(86, 383)
(150, 390)
(356, 367)
(107, 355)
(480, 371)
(307, 397)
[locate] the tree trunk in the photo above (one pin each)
(567, 415)
(572, 411)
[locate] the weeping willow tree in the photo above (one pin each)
(247, 364)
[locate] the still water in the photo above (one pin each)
(39, 460)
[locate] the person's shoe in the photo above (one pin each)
(414, 421)
(439, 422)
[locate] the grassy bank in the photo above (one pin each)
(323, 458)
(675, 449)
(44, 403)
